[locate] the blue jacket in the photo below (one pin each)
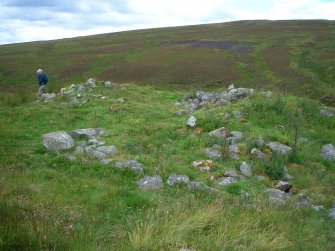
(42, 79)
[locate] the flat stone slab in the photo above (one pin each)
(133, 164)
(55, 141)
(276, 197)
(279, 148)
(109, 150)
(175, 179)
(88, 133)
(150, 182)
(221, 132)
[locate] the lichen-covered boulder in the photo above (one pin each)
(176, 179)
(150, 182)
(279, 148)
(328, 152)
(55, 141)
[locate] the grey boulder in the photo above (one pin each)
(276, 197)
(257, 154)
(109, 150)
(212, 153)
(279, 148)
(175, 179)
(221, 132)
(150, 182)
(88, 133)
(328, 152)
(133, 164)
(284, 186)
(56, 141)
(235, 137)
(246, 170)
(192, 121)
(331, 213)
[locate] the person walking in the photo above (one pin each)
(42, 80)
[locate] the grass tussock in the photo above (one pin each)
(214, 225)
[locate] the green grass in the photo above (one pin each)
(50, 203)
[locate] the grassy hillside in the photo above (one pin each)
(292, 56)
(49, 202)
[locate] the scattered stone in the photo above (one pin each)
(96, 141)
(267, 93)
(150, 182)
(196, 185)
(91, 83)
(238, 114)
(318, 208)
(286, 174)
(133, 164)
(69, 157)
(74, 101)
(257, 154)
(276, 197)
(101, 132)
(328, 152)
(175, 179)
(79, 150)
(109, 84)
(231, 87)
(259, 142)
(97, 154)
(331, 213)
(303, 140)
(85, 133)
(227, 180)
(81, 88)
(191, 121)
(203, 164)
(302, 197)
(246, 170)
(233, 151)
(183, 112)
(89, 149)
(121, 100)
(232, 173)
(221, 132)
(187, 96)
(212, 153)
(260, 178)
(55, 141)
(109, 150)
(301, 204)
(235, 137)
(105, 161)
(239, 93)
(47, 97)
(326, 113)
(279, 148)
(283, 186)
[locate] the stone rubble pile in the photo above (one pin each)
(88, 145)
(196, 101)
